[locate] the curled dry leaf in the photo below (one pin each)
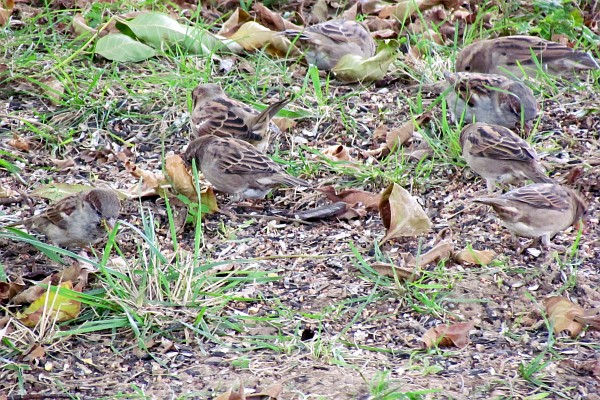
(63, 164)
(448, 335)
(390, 270)
(354, 68)
(180, 178)
(403, 9)
(352, 197)
(591, 317)
(562, 313)
(8, 290)
(6, 8)
(151, 183)
(252, 36)
(36, 353)
(19, 143)
(472, 256)
(53, 89)
(441, 251)
(401, 214)
(272, 20)
(284, 123)
(233, 23)
(322, 212)
(80, 27)
(337, 152)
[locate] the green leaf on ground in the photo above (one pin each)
(119, 47)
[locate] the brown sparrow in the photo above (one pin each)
(498, 154)
(216, 114)
(77, 220)
(538, 210)
(326, 43)
(512, 56)
(493, 99)
(235, 167)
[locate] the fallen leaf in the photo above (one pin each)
(337, 152)
(53, 89)
(271, 19)
(180, 178)
(233, 23)
(448, 335)
(562, 314)
(19, 143)
(354, 68)
(472, 256)
(590, 317)
(352, 197)
(80, 27)
(6, 8)
(590, 367)
(53, 306)
(403, 9)
(56, 191)
(151, 184)
(401, 214)
(36, 353)
(441, 251)
(284, 123)
(271, 393)
(8, 290)
(390, 270)
(253, 36)
(63, 164)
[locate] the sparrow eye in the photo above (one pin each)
(467, 68)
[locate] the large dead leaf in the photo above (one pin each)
(472, 256)
(234, 22)
(253, 36)
(51, 305)
(271, 19)
(403, 9)
(391, 270)
(180, 178)
(337, 152)
(562, 314)
(355, 68)
(352, 197)
(6, 8)
(441, 251)
(445, 336)
(151, 183)
(401, 214)
(8, 290)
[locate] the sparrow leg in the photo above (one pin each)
(551, 246)
(491, 185)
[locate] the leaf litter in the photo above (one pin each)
(489, 298)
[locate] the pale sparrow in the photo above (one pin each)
(498, 154)
(512, 56)
(493, 99)
(214, 113)
(77, 220)
(235, 167)
(326, 43)
(539, 210)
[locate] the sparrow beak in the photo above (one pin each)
(109, 224)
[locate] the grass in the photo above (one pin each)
(194, 292)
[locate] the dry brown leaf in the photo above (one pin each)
(399, 136)
(234, 22)
(36, 353)
(352, 197)
(284, 123)
(562, 314)
(8, 290)
(441, 251)
(63, 164)
(371, 6)
(337, 152)
(590, 367)
(6, 9)
(320, 11)
(231, 395)
(19, 143)
(355, 68)
(180, 178)
(401, 214)
(272, 20)
(252, 36)
(151, 183)
(591, 317)
(29, 295)
(472, 256)
(403, 9)
(445, 336)
(390, 270)
(273, 392)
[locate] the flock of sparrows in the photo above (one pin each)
(230, 138)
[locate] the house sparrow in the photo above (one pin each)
(498, 154)
(235, 167)
(77, 220)
(512, 56)
(216, 114)
(538, 210)
(326, 43)
(493, 99)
